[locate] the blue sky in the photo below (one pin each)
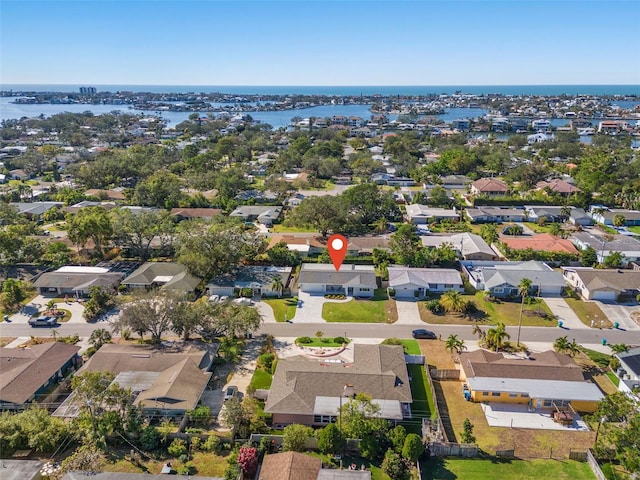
(510, 42)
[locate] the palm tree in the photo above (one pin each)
(556, 230)
(523, 290)
(619, 348)
(496, 336)
(277, 286)
(99, 337)
(619, 220)
(51, 306)
(478, 331)
(452, 301)
(456, 344)
(565, 212)
(561, 345)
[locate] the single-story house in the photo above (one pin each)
(264, 214)
(605, 245)
(300, 466)
(543, 381)
(257, 196)
(501, 279)
(423, 214)
(166, 275)
(105, 194)
(629, 371)
(352, 280)
(577, 215)
(606, 216)
(166, 380)
(190, 213)
(366, 245)
(489, 186)
(35, 210)
(558, 186)
(303, 244)
(543, 242)
(260, 279)
(26, 374)
(412, 283)
(76, 280)
(598, 284)
(310, 391)
(470, 246)
(494, 215)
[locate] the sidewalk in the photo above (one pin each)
(561, 309)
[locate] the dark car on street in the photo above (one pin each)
(422, 333)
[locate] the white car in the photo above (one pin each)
(243, 301)
(214, 298)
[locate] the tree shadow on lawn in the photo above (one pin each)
(435, 468)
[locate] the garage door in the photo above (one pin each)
(605, 295)
(404, 293)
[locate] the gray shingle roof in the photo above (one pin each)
(326, 274)
(423, 277)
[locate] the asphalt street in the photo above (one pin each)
(363, 330)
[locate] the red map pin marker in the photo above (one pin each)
(337, 246)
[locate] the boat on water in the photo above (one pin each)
(586, 131)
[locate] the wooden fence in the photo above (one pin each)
(595, 467)
(448, 449)
(449, 374)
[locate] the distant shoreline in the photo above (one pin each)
(367, 90)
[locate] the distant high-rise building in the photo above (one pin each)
(88, 90)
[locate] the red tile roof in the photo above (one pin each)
(544, 242)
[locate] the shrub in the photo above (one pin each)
(392, 341)
(126, 334)
(178, 447)
(325, 340)
(273, 366)
(187, 469)
(211, 444)
(265, 361)
(195, 443)
(304, 340)
(340, 340)
(150, 438)
(434, 306)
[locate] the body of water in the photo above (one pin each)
(348, 90)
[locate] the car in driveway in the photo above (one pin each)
(230, 392)
(424, 334)
(43, 321)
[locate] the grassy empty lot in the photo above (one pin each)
(483, 469)
(491, 313)
(379, 309)
(587, 311)
(280, 306)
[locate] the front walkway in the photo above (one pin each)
(408, 313)
(563, 312)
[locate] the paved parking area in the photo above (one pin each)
(518, 416)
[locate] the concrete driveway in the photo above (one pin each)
(39, 304)
(310, 308)
(561, 309)
(621, 314)
(408, 313)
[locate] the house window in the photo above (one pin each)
(324, 419)
(495, 394)
(524, 395)
(513, 395)
(498, 290)
(365, 289)
(547, 403)
(447, 286)
(485, 394)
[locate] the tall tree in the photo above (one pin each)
(523, 289)
(137, 231)
(90, 223)
(404, 244)
(496, 336)
(150, 312)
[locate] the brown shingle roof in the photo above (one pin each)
(490, 185)
(24, 371)
(290, 466)
(547, 365)
(378, 370)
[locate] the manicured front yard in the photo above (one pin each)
(283, 308)
(261, 380)
(379, 309)
(497, 468)
(588, 311)
(493, 312)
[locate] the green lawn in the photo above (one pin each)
(423, 402)
(634, 229)
(411, 347)
(492, 313)
(377, 310)
(587, 311)
(601, 359)
(495, 468)
(613, 377)
(260, 379)
(280, 306)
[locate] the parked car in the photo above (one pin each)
(224, 298)
(230, 392)
(214, 298)
(43, 321)
(243, 301)
(422, 333)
